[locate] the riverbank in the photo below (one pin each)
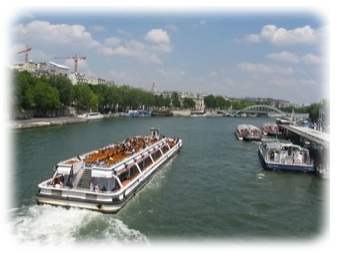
(42, 122)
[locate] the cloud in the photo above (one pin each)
(258, 68)
(112, 41)
(158, 36)
(131, 48)
(157, 41)
(281, 36)
(312, 59)
(284, 56)
(253, 38)
(98, 28)
(45, 32)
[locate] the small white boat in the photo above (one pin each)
(248, 132)
(105, 179)
(91, 116)
(136, 113)
(284, 155)
(271, 129)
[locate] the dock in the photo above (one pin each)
(315, 136)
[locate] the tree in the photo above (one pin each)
(23, 82)
(188, 103)
(210, 102)
(175, 100)
(65, 88)
(46, 98)
(84, 98)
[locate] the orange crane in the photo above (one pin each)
(26, 50)
(75, 58)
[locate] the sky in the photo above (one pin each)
(270, 53)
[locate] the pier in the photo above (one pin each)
(312, 135)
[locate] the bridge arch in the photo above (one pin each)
(260, 109)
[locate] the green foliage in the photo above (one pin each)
(176, 103)
(45, 97)
(51, 95)
(23, 83)
(188, 103)
(212, 102)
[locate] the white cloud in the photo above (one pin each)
(112, 41)
(284, 56)
(281, 36)
(98, 28)
(158, 36)
(253, 38)
(312, 59)
(45, 32)
(258, 68)
(134, 49)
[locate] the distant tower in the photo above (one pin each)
(153, 88)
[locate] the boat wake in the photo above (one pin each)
(47, 225)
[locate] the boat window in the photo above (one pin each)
(157, 154)
(103, 184)
(145, 163)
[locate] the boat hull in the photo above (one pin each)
(110, 207)
(238, 136)
(108, 202)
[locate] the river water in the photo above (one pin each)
(213, 190)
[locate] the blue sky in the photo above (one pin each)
(235, 53)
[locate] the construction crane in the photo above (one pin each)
(76, 58)
(26, 50)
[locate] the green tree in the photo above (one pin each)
(65, 88)
(210, 102)
(23, 83)
(221, 103)
(84, 98)
(188, 103)
(175, 100)
(46, 98)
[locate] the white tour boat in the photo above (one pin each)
(284, 155)
(271, 129)
(105, 179)
(91, 116)
(248, 132)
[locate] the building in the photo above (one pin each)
(55, 69)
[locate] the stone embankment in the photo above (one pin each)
(42, 122)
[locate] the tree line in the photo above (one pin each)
(53, 95)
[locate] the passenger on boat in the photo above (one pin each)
(103, 189)
(96, 188)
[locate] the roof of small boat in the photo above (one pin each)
(269, 124)
(279, 144)
(246, 126)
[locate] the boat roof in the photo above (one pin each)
(247, 126)
(276, 143)
(122, 164)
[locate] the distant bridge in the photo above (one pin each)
(259, 109)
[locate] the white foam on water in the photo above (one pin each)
(47, 225)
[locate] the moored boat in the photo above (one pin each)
(284, 155)
(91, 116)
(271, 129)
(105, 179)
(248, 132)
(136, 113)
